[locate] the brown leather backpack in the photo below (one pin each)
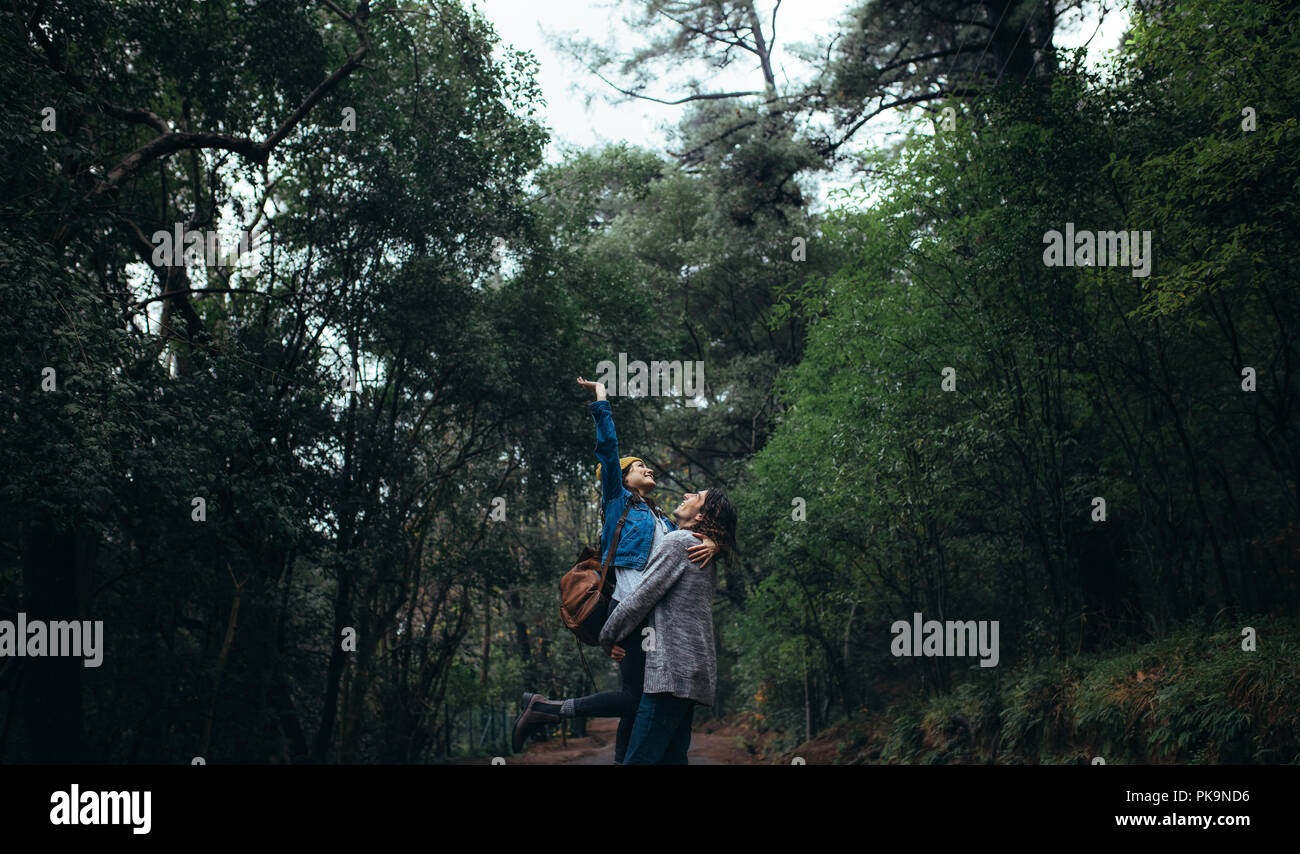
(586, 589)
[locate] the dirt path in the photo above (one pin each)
(597, 748)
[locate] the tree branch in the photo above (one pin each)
(708, 35)
(728, 132)
(830, 147)
(704, 96)
(142, 116)
(256, 152)
(170, 294)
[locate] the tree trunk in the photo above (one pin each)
(329, 710)
(487, 636)
(205, 735)
(807, 700)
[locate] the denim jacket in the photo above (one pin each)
(638, 531)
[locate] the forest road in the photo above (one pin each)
(597, 748)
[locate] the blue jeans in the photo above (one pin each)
(661, 734)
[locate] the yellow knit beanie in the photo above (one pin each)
(623, 463)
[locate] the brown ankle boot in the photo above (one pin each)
(531, 720)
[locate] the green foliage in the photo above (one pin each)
(1191, 697)
(1070, 383)
(431, 250)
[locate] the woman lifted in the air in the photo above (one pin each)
(679, 667)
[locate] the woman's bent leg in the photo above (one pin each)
(631, 676)
(540, 712)
(621, 704)
(606, 704)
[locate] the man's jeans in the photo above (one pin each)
(662, 732)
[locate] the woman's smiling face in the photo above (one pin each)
(640, 478)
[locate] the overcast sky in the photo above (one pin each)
(566, 85)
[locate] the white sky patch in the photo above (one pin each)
(566, 84)
(578, 120)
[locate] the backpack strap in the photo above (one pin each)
(583, 656)
(613, 546)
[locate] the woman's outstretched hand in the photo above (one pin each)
(598, 388)
(703, 551)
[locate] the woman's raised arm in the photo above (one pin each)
(611, 477)
(598, 388)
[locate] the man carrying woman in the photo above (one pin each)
(681, 662)
(622, 480)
